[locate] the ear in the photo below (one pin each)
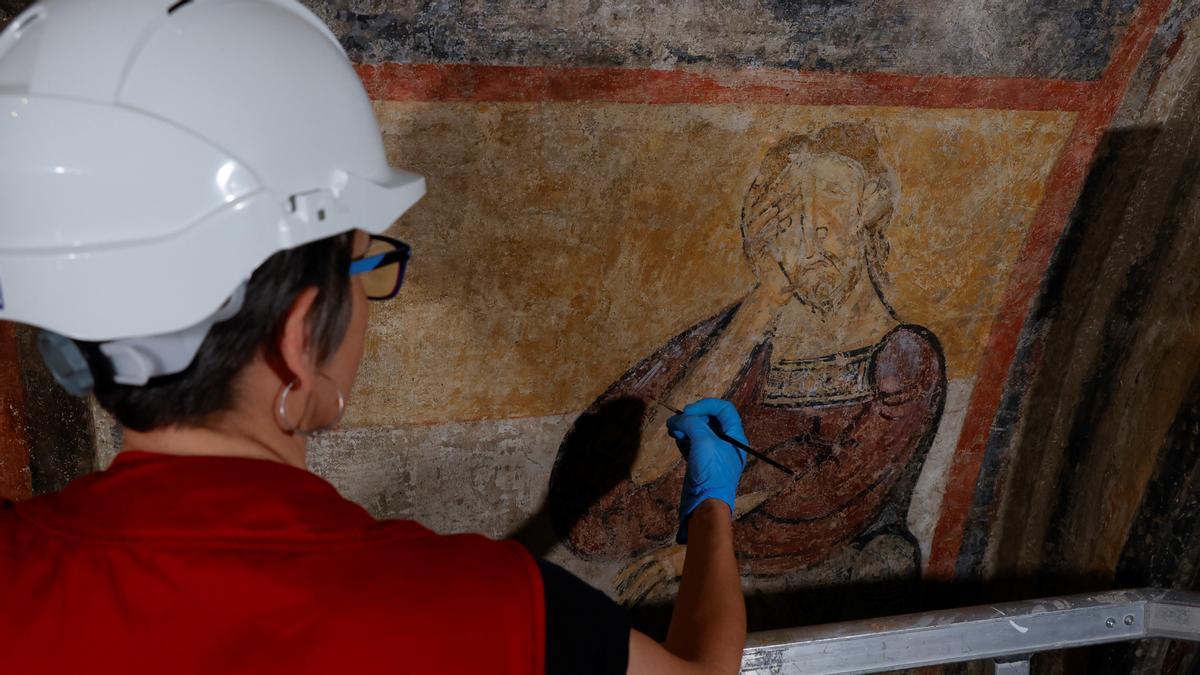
(295, 347)
(877, 199)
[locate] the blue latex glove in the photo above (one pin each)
(713, 465)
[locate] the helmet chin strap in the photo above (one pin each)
(133, 361)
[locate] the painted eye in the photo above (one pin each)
(821, 232)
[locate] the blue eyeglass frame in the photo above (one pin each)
(399, 256)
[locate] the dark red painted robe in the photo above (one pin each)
(857, 445)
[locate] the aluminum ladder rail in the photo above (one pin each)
(1004, 635)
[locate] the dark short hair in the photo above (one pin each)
(206, 387)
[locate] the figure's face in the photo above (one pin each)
(820, 242)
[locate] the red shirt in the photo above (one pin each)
(218, 565)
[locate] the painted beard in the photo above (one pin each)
(824, 284)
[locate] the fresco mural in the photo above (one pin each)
(835, 269)
(565, 241)
(829, 379)
(838, 216)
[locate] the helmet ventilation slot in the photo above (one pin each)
(25, 22)
(177, 5)
(26, 19)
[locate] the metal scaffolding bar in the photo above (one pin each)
(1005, 634)
(1001, 667)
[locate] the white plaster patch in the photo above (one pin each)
(485, 477)
(926, 502)
(488, 477)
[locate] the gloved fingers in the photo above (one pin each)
(725, 413)
(692, 427)
(676, 431)
(673, 427)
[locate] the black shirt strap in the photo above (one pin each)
(586, 632)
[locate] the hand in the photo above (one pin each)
(714, 466)
(769, 219)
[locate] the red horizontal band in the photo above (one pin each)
(536, 84)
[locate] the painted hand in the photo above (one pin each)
(768, 220)
(714, 466)
(642, 576)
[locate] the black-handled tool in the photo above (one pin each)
(733, 441)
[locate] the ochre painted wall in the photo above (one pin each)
(559, 244)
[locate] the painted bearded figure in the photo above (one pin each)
(829, 381)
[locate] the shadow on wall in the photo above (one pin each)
(1110, 421)
(614, 426)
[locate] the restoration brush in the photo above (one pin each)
(733, 441)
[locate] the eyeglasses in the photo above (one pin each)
(382, 266)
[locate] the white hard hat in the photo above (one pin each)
(153, 153)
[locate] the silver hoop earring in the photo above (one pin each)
(286, 424)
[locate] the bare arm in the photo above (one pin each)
(708, 627)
